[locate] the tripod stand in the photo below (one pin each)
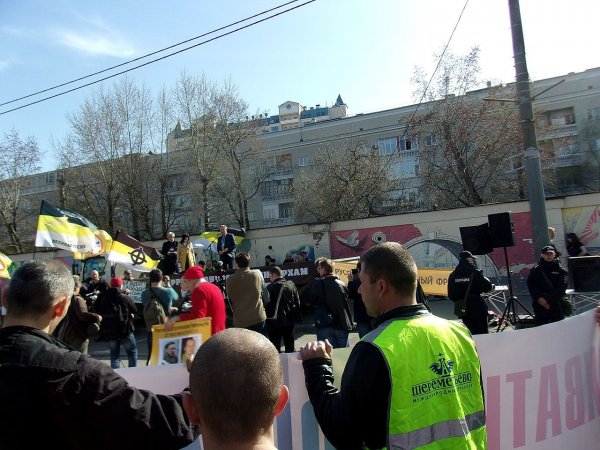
(510, 314)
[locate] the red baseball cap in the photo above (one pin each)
(116, 282)
(194, 273)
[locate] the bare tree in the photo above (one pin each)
(348, 180)
(21, 159)
(193, 95)
(105, 172)
(466, 141)
(234, 139)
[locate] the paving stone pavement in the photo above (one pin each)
(305, 332)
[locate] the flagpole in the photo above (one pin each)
(34, 239)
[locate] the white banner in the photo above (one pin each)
(542, 388)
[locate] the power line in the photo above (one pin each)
(148, 54)
(153, 53)
(436, 68)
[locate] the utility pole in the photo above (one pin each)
(531, 155)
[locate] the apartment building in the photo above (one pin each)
(567, 112)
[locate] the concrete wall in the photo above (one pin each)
(432, 237)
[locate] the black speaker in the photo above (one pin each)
(584, 273)
(476, 239)
(502, 229)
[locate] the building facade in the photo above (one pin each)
(567, 112)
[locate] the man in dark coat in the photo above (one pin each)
(362, 319)
(168, 264)
(465, 274)
(118, 311)
(328, 290)
(287, 310)
(226, 246)
(547, 283)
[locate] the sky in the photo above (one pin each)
(364, 50)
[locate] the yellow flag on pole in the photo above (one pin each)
(5, 263)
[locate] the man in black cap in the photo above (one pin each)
(467, 278)
(547, 283)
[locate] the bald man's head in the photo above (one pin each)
(236, 381)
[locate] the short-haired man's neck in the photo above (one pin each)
(391, 299)
(46, 322)
(263, 442)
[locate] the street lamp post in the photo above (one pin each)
(535, 185)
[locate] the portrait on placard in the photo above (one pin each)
(181, 343)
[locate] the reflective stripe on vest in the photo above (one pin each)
(438, 431)
(435, 400)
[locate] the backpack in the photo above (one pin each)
(115, 320)
(154, 313)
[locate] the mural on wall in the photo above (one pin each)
(584, 222)
(438, 248)
(309, 248)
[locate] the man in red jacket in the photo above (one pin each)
(207, 300)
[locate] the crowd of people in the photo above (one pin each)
(236, 384)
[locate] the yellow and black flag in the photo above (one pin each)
(133, 254)
(5, 263)
(61, 228)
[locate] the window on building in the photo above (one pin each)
(251, 215)
(284, 161)
(50, 177)
(431, 139)
(387, 146)
(593, 113)
(267, 165)
(561, 117)
(274, 129)
(405, 166)
(285, 210)
(303, 161)
(270, 212)
(183, 181)
(408, 143)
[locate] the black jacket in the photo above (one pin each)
(289, 304)
(360, 311)
(53, 397)
(109, 328)
(334, 294)
(553, 290)
(458, 281)
(73, 328)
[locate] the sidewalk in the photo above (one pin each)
(305, 332)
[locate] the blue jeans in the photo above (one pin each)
(130, 347)
(337, 338)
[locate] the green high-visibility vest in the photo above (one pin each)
(435, 400)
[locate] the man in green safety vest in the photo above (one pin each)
(412, 382)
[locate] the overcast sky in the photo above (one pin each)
(365, 50)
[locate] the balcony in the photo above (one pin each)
(574, 159)
(559, 131)
(278, 221)
(278, 197)
(277, 171)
